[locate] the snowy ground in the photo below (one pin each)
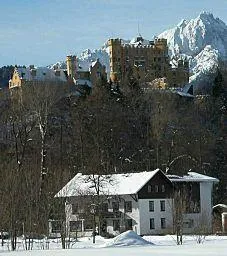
(129, 244)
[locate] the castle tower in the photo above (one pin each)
(71, 66)
(115, 59)
(161, 44)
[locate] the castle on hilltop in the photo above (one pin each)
(142, 61)
(145, 61)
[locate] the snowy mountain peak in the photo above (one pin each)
(202, 40)
(204, 15)
(183, 23)
(191, 37)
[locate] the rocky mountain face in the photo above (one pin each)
(203, 41)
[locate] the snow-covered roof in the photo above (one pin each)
(184, 94)
(223, 206)
(116, 184)
(94, 62)
(139, 40)
(192, 176)
(41, 74)
(82, 82)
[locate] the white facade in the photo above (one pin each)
(162, 218)
(133, 202)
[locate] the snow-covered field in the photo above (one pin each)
(129, 244)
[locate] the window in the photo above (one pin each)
(116, 225)
(163, 223)
(149, 188)
(88, 224)
(151, 206)
(156, 188)
(162, 206)
(57, 72)
(75, 226)
(115, 206)
(128, 224)
(55, 226)
(33, 72)
(188, 223)
(75, 208)
(152, 223)
(163, 188)
(128, 206)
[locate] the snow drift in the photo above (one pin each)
(128, 238)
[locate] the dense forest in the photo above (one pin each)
(48, 134)
(5, 74)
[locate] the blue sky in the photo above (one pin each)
(41, 32)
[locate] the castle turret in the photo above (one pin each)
(71, 66)
(115, 59)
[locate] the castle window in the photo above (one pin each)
(57, 72)
(33, 72)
